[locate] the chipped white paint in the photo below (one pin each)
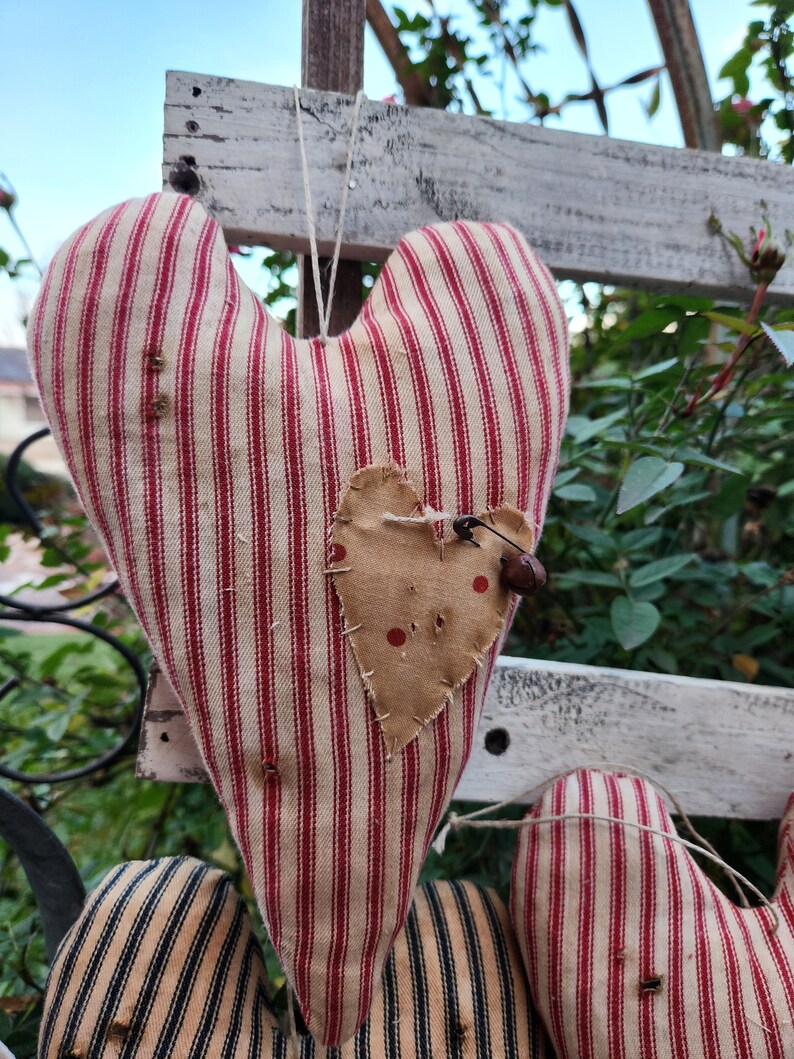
(594, 207)
(725, 749)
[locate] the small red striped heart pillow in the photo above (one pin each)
(279, 513)
(631, 951)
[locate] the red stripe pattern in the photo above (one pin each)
(631, 950)
(210, 450)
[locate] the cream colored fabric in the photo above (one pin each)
(631, 950)
(164, 964)
(421, 609)
(210, 450)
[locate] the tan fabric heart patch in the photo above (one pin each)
(420, 611)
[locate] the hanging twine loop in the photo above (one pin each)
(478, 820)
(324, 311)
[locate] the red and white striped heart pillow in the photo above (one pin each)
(211, 450)
(631, 951)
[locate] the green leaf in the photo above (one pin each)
(664, 660)
(692, 333)
(590, 577)
(592, 535)
(56, 728)
(783, 341)
(736, 70)
(687, 302)
(651, 322)
(659, 569)
(648, 593)
(656, 97)
(653, 514)
(637, 539)
(656, 369)
(760, 574)
(701, 460)
(52, 581)
(633, 623)
(576, 28)
(733, 323)
(634, 446)
(730, 499)
(583, 493)
(646, 477)
(615, 382)
(568, 475)
(583, 428)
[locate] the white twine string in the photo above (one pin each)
(430, 516)
(478, 820)
(324, 312)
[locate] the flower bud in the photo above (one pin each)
(7, 199)
(767, 258)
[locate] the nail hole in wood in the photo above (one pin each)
(183, 178)
(196, 91)
(192, 126)
(164, 737)
(497, 740)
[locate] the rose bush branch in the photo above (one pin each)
(8, 201)
(764, 262)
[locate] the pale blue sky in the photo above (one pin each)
(81, 114)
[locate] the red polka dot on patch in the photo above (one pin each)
(480, 584)
(396, 637)
(338, 552)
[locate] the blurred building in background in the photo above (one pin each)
(21, 414)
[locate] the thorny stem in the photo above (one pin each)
(453, 50)
(670, 411)
(724, 376)
(782, 581)
(20, 235)
(722, 410)
(25, 244)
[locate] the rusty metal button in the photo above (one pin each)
(524, 574)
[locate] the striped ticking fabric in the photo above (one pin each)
(164, 963)
(210, 450)
(631, 951)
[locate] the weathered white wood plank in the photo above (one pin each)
(725, 749)
(595, 208)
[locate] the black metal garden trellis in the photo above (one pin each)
(17, 610)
